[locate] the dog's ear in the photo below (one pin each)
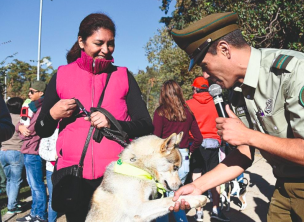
(169, 143)
(179, 138)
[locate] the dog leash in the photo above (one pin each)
(113, 121)
(130, 170)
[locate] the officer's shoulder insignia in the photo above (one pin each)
(282, 61)
(268, 108)
(301, 96)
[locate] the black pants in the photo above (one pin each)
(89, 186)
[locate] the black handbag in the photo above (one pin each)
(67, 182)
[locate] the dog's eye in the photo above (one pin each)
(175, 168)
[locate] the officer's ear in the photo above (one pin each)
(224, 48)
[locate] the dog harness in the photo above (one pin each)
(130, 170)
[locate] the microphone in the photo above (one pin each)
(215, 91)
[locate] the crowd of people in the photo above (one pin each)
(266, 95)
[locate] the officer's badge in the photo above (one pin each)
(268, 108)
(301, 96)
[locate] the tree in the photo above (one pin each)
(269, 23)
(3, 70)
(170, 62)
(149, 86)
(20, 74)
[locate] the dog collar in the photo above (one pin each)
(130, 170)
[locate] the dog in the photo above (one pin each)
(130, 186)
(234, 188)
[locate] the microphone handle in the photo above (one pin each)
(220, 108)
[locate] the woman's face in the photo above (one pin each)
(100, 45)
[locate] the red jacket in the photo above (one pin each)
(204, 110)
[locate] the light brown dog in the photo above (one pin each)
(125, 196)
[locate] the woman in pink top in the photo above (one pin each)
(89, 63)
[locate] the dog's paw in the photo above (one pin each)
(195, 201)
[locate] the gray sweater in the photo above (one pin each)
(15, 142)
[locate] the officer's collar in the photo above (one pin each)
(252, 74)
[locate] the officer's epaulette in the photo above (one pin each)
(281, 62)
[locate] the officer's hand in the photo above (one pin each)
(189, 189)
(64, 108)
(232, 129)
(98, 120)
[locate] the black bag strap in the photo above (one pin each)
(87, 142)
(104, 89)
(86, 145)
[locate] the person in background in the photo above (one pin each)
(89, 62)
(207, 156)
(32, 161)
(6, 132)
(12, 159)
(47, 151)
(2, 185)
(173, 116)
(6, 126)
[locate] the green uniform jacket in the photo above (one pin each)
(270, 100)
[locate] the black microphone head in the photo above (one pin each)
(215, 90)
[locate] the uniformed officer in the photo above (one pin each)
(268, 97)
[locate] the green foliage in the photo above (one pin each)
(264, 24)
(169, 62)
(149, 87)
(20, 74)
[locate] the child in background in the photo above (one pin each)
(47, 151)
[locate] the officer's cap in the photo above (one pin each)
(196, 38)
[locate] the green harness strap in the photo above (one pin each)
(130, 170)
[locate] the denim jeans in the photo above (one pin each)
(183, 171)
(34, 176)
(12, 162)
(52, 215)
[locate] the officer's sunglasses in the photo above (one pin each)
(32, 91)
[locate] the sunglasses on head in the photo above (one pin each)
(33, 91)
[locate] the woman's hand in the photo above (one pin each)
(24, 130)
(98, 120)
(64, 108)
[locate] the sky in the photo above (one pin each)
(136, 21)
